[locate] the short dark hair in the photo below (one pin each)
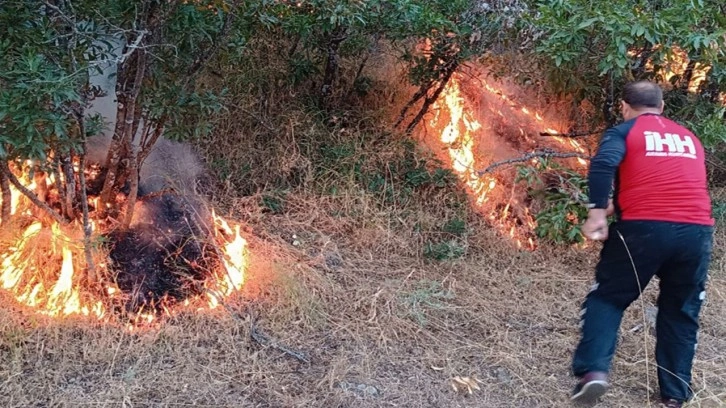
(643, 94)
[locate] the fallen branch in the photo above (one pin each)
(31, 195)
(263, 340)
(533, 155)
(429, 100)
(573, 134)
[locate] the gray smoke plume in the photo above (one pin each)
(170, 165)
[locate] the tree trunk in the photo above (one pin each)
(7, 200)
(685, 80)
(331, 65)
(70, 190)
(87, 230)
(448, 72)
(41, 184)
(123, 134)
(423, 90)
(133, 187)
(114, 152)
(59, 183)
(147, 145)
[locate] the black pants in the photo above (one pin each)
(679, 254)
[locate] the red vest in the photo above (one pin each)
(663, 174)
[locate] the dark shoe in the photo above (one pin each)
(670, 403)
(591, 387)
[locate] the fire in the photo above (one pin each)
(459, 128)
(677, 65)
(460, 131)
(458, 136)
(235, 263)
(44, 268)
(537, 117)
(46, 280)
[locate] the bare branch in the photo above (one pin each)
(264, 340)
(132, 47)
(448, 71)
(28, 193)
(61, 14)
(204, 57)
(574, 134)
(530, 156)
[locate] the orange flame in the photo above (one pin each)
(460, 130)
(23, 276)
(457, 135)
(235, 263)
(537, 117)
(40, 269)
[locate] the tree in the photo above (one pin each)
(590, 50)
(53, 48)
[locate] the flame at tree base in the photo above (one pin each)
(44, 268)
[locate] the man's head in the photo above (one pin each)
(641, 97)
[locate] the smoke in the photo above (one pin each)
(170, 165)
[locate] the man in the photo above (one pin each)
(664, 228)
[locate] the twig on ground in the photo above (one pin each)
(533, 155)
(261, 338)
(264, 340)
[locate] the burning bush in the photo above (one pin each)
(175, 251)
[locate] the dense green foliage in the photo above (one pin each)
(593, 49)
(560, 194)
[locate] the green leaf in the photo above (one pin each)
(587, 23)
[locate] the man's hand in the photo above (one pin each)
(596, 226)
(611, 208)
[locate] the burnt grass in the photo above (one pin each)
(381, 326)
(165, 256)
